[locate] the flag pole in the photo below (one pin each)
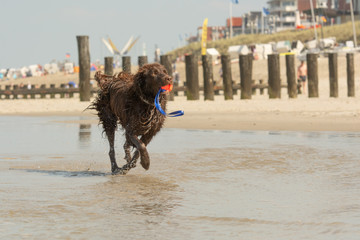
(230, 20)
(353, 23)
(313, 19)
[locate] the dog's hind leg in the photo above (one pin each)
(111, 139)
(110, 125)
(127, 146)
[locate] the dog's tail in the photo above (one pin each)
(103, 80)
(102, 98)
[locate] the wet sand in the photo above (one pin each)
(202, 184)
(259, 113)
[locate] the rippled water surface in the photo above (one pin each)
(55, 183)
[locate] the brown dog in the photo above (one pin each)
(128, 100)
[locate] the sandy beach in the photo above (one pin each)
(259, 113)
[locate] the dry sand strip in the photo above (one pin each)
(260, 113)
(269, 121)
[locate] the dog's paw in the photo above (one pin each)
(132, 164)
(145, 163)
(119, 171)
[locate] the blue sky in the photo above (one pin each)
(38, 31)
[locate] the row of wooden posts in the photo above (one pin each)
(247, 85)
(64, 90)
(192, 89)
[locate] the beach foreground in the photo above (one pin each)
(202, 184)
(259, 113)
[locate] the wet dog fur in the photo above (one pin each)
(128, 100)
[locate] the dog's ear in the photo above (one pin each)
(140, 76)
(100, 79)
(98, 76)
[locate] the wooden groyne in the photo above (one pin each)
(192, 88)
(44, 91)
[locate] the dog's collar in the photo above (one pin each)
(140, 94)
(146, 101)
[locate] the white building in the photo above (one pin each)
(282, 14)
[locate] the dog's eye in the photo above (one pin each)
(165, 71)
(156, 72)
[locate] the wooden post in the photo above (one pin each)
(250, 59)
(15, 87)
(84, 67)
(52, 88)
(208, 81)
(7, 88)
(165, 60)
(142, 60)
(274, 88)
(109, 69)
(350, 75)
(32, 94)
(333, 75)
(192, 77)
(291, 76)
(43, 90)
(211, 70)
(227, 78)
(245, 76)
(126, 64)
(25, 96)
(71, 94)
(313, 78)
(62, 86)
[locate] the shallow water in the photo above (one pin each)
(55, 183)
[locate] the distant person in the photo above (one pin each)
(176, 78)
(301, 74)
(72, 84)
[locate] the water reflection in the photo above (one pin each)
(140, 195)
(85, 133)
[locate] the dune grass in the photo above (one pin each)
(342, 33)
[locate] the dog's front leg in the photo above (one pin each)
(127, 146)
(132, 163)
(141, 147)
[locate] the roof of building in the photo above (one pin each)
(236, 22)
